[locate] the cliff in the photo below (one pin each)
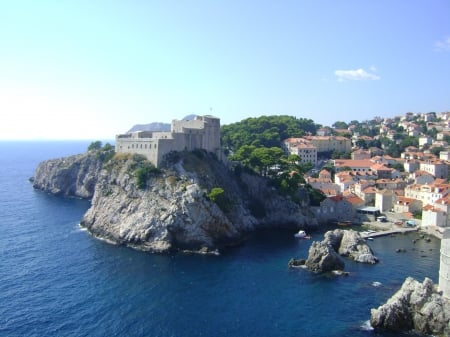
(74, 176)
(168, 209)
(416, 306)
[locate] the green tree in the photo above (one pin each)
(264, 131)
(97, 145)
(340, 125)
(263, 158)
(436, 150)
(361, 143)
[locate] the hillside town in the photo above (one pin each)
(389, 169)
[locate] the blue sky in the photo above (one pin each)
(92, 69)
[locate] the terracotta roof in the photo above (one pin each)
(324, 172)
(369, 190)
(354, 200)
(419, 173)
(380, 167)
(353, 162)
(404, 200)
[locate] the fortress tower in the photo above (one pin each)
(202, 132)
(444, 269)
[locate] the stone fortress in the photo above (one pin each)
(202, 132)
(444, 269)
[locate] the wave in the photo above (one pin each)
(366, 326)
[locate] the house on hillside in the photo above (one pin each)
(303, 148)
(335, 208)
(433, 216)
(360, 154)
(437, 168)
(405, 205)
(422, 177)
(384, 200)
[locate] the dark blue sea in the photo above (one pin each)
(56, 280)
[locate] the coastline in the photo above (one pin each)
(390, 225)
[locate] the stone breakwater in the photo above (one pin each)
(416, 306)
(172, 210)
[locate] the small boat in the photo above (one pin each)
(301, 234)
(344, 223)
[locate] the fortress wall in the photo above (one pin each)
(200, 133)
(152, 149)
(444, 269)
(178, 126)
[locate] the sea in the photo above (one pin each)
(57, 280)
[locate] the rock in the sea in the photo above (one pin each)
(416, 306)
(322, 258)
(349, 243)
(294, 263)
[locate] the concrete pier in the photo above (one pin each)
(399, 230)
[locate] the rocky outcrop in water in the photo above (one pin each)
(349, 243)
(74, 176)
(167, 209)
(324, 256)
(416, 306)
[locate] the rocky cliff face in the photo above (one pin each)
(171, 210)
(74, 176)
(416, 306)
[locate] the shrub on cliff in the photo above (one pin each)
(103, 152)
(218, 196)
(143, 174)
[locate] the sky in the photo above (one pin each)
(92, 69)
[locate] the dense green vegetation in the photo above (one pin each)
(256, 143)
(264, 131)
(143, 170)
(103, 152)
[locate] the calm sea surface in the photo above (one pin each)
(56, 280)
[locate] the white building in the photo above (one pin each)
(303, 148)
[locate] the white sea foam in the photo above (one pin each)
(80, 229)
(376, 284)
(366, 326)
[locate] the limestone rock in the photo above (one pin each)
(322, 258)
(74, 176)
(416, 306)
(171, 210)
(349, 243)
(295, 263)
(354, 246)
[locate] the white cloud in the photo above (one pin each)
(443, 45)
(356, 75)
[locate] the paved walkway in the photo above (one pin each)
(389, 232)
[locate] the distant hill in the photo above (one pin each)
(157, 126)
